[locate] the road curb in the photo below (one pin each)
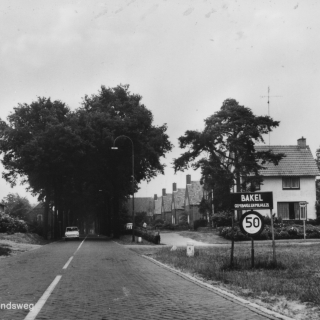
(252, 306)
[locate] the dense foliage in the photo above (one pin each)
(226, 146)
(66, 157)
(149, 235)
(16, 206)
(282, 231)
(201, 223)
(10, 224)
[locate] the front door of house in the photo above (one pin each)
(291, 211)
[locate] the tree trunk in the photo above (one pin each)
(45, 218)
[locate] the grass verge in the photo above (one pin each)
(211, 237)
(296, 275)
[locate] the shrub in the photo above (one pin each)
(264, 235)
(222, 218)
(158, 224)
(199, 223)
(168, 226)
(237, 234)
(151, 236)
(281, 231)
(182, 226)
(314, 222)
(11, 225)
(276, 221)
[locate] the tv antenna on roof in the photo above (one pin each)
(268, 96)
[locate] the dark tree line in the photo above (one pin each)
(66, 157)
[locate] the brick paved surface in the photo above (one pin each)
(106, 281)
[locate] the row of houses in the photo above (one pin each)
(292, 181)
(181, 205)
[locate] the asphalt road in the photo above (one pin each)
(103, 280)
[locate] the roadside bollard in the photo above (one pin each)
(190, 249)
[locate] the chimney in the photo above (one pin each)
(155, 197)
(188, 178)
(163, 192)
(302, 142)
(174, 187)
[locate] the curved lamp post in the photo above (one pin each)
(115, 148)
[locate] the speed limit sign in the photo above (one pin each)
(251, 223)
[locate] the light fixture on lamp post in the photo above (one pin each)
(116, 148)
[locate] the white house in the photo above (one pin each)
(292, 181)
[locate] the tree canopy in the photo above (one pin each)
(16, 206)
(66, 157)
(225, 151)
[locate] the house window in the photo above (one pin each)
(291, 183)
(288, 210)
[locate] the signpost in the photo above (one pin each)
(303, 216)
(251, 200)
(251, 223)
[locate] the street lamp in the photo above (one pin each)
(115, 148)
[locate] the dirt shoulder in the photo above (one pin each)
(13, 244)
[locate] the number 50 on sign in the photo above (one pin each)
(251, 223)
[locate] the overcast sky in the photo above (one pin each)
(184, 57)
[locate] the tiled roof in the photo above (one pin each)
(167, 201)
(157, 205)
(141, 205)
(195, 192)
(178, 198)
(298, 162)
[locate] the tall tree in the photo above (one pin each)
(16, 206)
(105, 116)
(227, 148)
(38, 146)
(66, 156)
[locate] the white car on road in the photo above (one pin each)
(71, 233)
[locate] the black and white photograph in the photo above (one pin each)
(159, 159)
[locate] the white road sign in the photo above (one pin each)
(251, 223)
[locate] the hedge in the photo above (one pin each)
(282, 231)
(149, 235)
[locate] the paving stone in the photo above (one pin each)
(107, 281)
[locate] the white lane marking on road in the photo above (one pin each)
(80, 245)
(66, 265)
(37, 308)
